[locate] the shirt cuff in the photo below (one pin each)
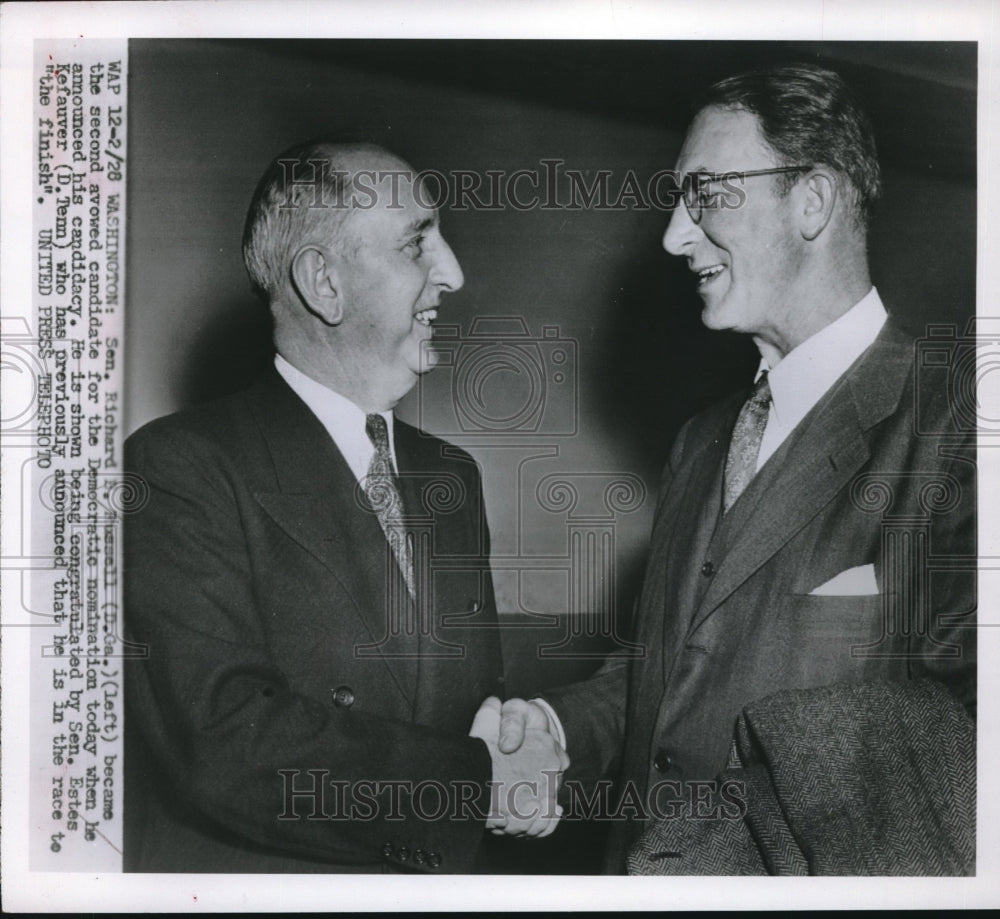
(555, 725)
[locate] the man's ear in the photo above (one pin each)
(819, 198)
(314, 275)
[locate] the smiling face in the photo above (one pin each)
(748, 259)
(393, 268)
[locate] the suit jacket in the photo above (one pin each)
(730, 611)
(281, 716)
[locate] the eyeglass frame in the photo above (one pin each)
(689, 187)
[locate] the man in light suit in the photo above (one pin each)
(819, 531)
(310, 577)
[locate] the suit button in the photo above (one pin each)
(343, 697)
(433, 859)
(403, 853)
(388, 850)
(708, 569)
(662, 761)
(419, 857)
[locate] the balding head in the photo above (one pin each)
(353, 266)
(307, 194)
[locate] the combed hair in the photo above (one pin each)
(809, 116)
(296, 202)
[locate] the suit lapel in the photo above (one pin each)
(319, 505)
(819, 458)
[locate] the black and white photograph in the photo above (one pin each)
(512, 459)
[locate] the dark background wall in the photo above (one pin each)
(207, 116)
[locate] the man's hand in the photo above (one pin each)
(517, 718)
(525, 780)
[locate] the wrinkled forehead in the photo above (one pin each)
(721, 139)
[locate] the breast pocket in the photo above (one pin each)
(829, 638)
(833, 613)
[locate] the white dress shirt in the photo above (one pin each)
(343, 420)
(798, 382)
(807, 372)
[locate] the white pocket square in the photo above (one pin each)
(853, 582)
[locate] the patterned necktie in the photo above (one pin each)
(383, 495)
(741, 463)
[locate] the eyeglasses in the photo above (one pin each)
(697, 197)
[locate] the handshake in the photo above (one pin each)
(528, 763)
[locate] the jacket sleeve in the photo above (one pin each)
(592, 714)
(221, 717)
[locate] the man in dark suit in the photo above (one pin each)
(819, 531)
(310, 576)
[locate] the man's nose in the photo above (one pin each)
(447, 273)
(682, 232)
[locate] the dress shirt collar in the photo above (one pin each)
(799, 381)
(343, 420)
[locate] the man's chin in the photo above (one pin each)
(426, 361)
(711, 318)
(424, 367)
